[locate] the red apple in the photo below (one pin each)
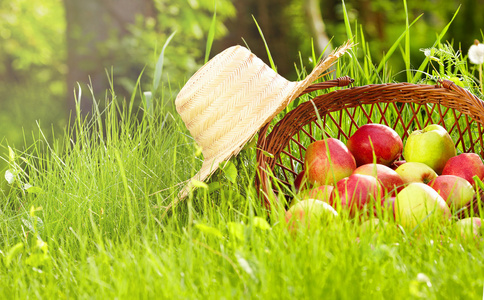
(376, 140)
(456, 191)
(389, 179)
(387, 203)
(298, 182)
(465, 165)
(355, 192)
(327, 161)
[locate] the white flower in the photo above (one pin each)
(427, 52)
(476, 53)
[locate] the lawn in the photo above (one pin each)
(85, 216)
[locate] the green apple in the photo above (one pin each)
(432, 146)
(417, 204)
(310, 213)
(415, 172)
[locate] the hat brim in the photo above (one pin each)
(286, 96)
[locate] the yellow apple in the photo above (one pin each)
(415, 172)
(419, 204)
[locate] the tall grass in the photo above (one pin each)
(84, 217)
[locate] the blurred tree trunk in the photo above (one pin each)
(90, 25)
(269, 14)
(375, 19)
(318, 28)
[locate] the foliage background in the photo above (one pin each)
(33, 47)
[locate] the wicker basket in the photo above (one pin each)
(402, 106)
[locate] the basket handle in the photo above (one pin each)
(447, 84)
(450, 85)
(338, 82)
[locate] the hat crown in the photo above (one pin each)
(219, 102)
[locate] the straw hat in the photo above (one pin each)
(230, 98)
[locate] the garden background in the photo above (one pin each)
(48, 47)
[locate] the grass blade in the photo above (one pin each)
(211, 35)
(273, 66)
(406, 57)
(349, 33)
(159, 65)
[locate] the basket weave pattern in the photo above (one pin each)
(402, 106)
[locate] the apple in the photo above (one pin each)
(310, 213)
(388, 178)
(465, 165)
(397, 164)
(469, 227)
(322, 192)
(416, 172)
(327, 161)
(387, 204)
(419, 204)
(298, 182)
(456, 191)
(432, 146)
(375, 141)
(355, 192)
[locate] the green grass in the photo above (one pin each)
(84, 217)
